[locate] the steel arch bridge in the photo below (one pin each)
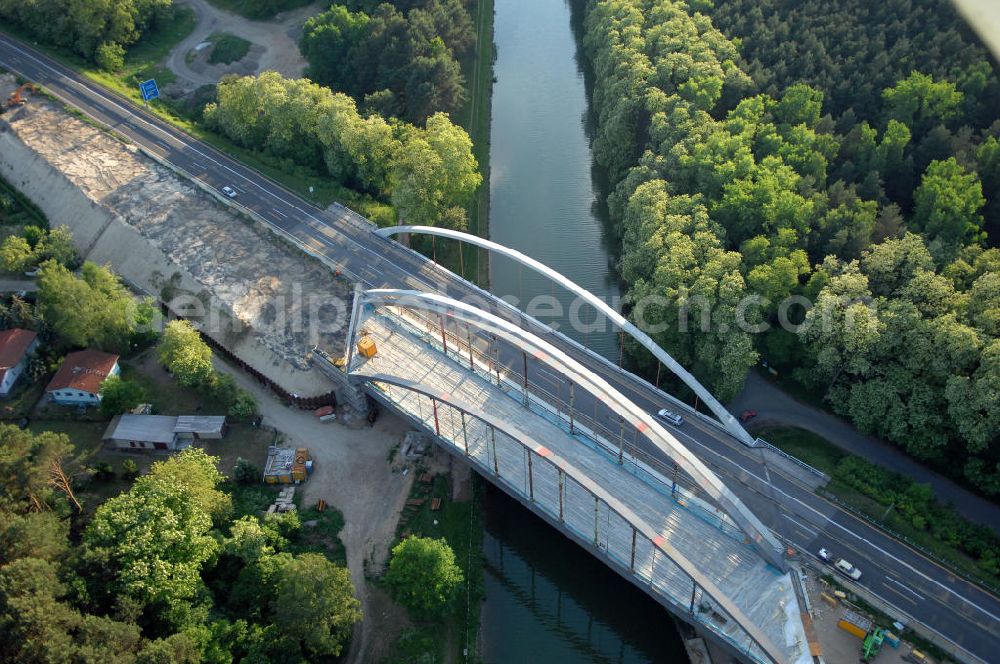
(625, 325)
(720, 576)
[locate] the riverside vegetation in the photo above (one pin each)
(876, 204)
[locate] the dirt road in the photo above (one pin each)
(352, 473)
(278, 37)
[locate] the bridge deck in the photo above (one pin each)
(765, 595)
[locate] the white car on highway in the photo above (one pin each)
(847, 569)
(670, 417)
(229, 191)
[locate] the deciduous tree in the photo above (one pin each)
(423, 575)
(120, 396)
(185, 355)
(947, 204)
(315, 604)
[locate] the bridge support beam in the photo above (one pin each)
(653, 563)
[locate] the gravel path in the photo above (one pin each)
(278, 37)
(775, 406)
(353, 474)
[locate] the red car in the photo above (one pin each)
(747, 415)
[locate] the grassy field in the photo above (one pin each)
(324, 536)
(477, 67)
(227, 49)
(460, 524)
(805, 445)
(166, 394)
(250, 499)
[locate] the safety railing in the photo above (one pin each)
(456, 346)
(666, 478)
(574, 505)
(760, 442)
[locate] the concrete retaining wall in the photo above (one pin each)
(89, 202)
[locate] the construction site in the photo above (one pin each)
(263, 300)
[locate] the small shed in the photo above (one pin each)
(162, 432)
(142, 432)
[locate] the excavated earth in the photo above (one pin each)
(265, 301)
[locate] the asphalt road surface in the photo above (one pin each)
(917, 586)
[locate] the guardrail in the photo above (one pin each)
(761, 443)
(546, 330)
(668, 583)
(894, 612)
(943, 562)
(665, 478)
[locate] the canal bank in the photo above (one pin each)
(546, 599)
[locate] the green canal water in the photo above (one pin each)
(547, 599)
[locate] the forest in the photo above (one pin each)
(98, 30)
(429, 174)
(737, 175)
(172, 570)
(397, 59)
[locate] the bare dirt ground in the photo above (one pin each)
(353, 473)
(273, 303)
(275, 44)
(837, 644)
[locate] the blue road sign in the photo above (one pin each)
(149, 90)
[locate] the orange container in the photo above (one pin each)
(366, 347)
(852, 623)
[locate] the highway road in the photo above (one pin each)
(960, 611)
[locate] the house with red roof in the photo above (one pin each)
(78, 381)
(16, 346)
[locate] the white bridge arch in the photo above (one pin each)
(759, 536)
(729, 422)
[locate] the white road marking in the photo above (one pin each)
(855, 535)
(904, 587)
(279, 212)
(800, 524)
(154, 128)
(903, 597)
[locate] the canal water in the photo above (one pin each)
(543, 199)
(548, 600)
